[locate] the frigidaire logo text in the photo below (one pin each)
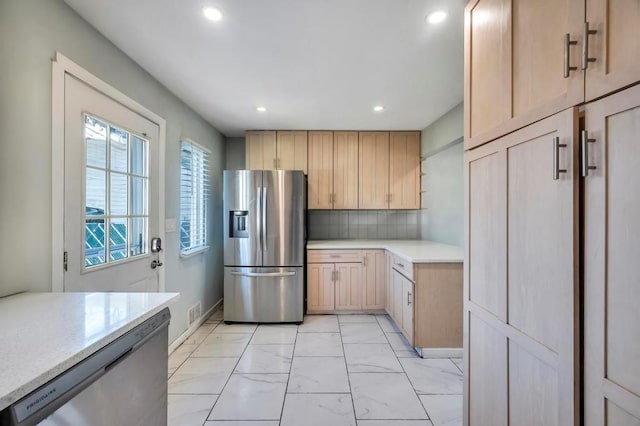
(41, 398)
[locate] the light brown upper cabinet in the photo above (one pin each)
(261, 153)
(345, 170)
(527, 60)
(281, 150)
(522, 64)
(291, 148)
(614, 48)
(320, 178)
(404, 170)
(373, 192)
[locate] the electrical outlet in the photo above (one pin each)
(195, 312)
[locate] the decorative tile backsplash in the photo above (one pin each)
(364, 224)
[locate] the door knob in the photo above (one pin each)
(156, 264)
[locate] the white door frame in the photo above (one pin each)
(62, 66)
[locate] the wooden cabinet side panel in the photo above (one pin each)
(404, 170)
(438, 305)
(373, 182)
(320, 169)
(615, 46)
(345, 170)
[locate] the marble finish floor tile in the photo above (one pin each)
(356, 318)
(394, 423)
(189, 410)
(398, 342)
(318, 344)
(382, 396)
(371, 358)
(387, 325)
(202, 376)
(242, 423)
(270, 335)
(266, 359)
(319, 324)
(200, 334)
(318, 375)
(222, 345)
(433, 376)
(180, 355)
(444, 410)
(458, 362)
(362, 333)
(235, 328)
(251, 397)
(217, 315)
(318, 410)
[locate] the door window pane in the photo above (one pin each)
(139, 156)
(95, 134)
(138, 236)
(96, 192)
(119, 194)
(138, 196)
(118, 239)
(119, 152)
(94, 252)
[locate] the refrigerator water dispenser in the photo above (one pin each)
(238, 224)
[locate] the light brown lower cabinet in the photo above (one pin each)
(521, 315)
(348, 281)
(611, 253)
(374, 277)
(320, 287)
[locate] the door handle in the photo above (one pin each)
(585, 153)
(264, 274)
(585, 46)
(259, 221)
(556, 158)
(567, 55)
(264, 218)
(156, 264)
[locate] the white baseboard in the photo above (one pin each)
(440, 352)
(194, 326)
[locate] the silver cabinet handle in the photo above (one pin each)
(585, 153)
(556, 158)
(567, 55)
(585, 46)
(264, 274)
(364, 261)
(408, 298)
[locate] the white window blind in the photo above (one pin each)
(194, 193)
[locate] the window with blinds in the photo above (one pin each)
(194, 193)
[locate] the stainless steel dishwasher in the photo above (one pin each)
(124, 383)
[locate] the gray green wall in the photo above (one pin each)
(31, 31)
(442, 217)
(235, 148)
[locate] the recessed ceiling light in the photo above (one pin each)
(436, 17)
(378, 108)
(261, 109)
(212, 14)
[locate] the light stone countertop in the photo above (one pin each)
(414, 251)
(44, 334)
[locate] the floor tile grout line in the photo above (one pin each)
(346, 368)
(286, 388)
(194, 349)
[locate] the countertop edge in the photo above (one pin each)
(385, 245)
(30, 386)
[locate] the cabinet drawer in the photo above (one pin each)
(334, 256)
(403, 266)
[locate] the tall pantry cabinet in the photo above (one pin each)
(552, 125)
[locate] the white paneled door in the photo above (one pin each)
(111, 179)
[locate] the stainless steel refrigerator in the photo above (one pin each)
(264, 233)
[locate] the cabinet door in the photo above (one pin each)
(345, 170)
(516, 59)
(407, 309)
(320, 287)
(397, 297)
(373, 190)
(615, 46)
(388, 303)
(292, 150)
(375, 271)
(404, 170)
(260, 147)
(612, 276)
(320, 179)
(522, 344)
(348, 286)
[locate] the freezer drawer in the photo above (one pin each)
(263, 294)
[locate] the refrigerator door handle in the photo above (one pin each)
(264, 274)
(259, 221)
(264, 219)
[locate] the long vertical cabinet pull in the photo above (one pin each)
(259, 190)
(264, 217)
(556, 158)
(585, 46)
(585, 153)
(567, 55)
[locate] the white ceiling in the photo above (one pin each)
(315, 64)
